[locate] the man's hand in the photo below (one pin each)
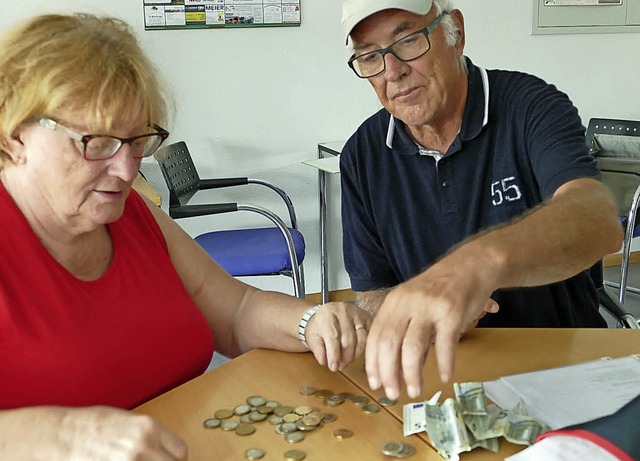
(437, 306)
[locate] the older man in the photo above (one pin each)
(469, 185)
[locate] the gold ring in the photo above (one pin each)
(360, 326)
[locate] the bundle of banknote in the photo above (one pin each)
(469, 421)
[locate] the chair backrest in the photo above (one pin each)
(179, 172)
(615, 144)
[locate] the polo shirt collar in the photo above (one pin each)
(474, 119)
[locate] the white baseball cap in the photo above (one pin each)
(354, 11)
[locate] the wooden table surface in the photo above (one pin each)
(486, 354)
(483, 355)
(276, 376)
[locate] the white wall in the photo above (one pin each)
(256, 102)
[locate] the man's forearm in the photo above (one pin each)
(568, 234)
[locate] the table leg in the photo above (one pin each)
(324, 268)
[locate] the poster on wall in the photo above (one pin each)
(198, 14)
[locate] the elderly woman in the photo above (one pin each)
(104, 301)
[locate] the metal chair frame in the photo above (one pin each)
(183, 182)
(615, 165)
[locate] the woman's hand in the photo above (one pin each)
(87, 434)
(337, 334)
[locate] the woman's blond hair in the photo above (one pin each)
(62, 64)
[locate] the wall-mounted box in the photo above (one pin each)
(585, 16)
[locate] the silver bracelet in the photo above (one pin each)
(302, 326)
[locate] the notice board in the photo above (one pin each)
(199, 14)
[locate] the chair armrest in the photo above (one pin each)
(190, 211)
(608, 300)
(216, 183)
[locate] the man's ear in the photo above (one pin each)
(458, 18)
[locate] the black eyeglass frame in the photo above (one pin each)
(384, 51)
(85, 138)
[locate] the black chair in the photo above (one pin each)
(277, 250)
(615, 144)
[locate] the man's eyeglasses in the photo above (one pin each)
(102, 146)
(406, 49)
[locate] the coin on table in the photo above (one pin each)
(307, 390)
(359, 400)
(301, 426)
(255, 416)
(342, 434)
(371, 408)
(291, 417)
(322, 393)
(407, 450)
(295, 455)
(283, 410)
(312, 419)
(287, 428)
(246, 419)
(265, 409)
(229, 425)
(303, 410)
(254, 453)
(211, 423)
(245, 429)
(256, 400)
(223, 414)
(273, 404)
(241, 410)
(275, 420)
(387, 402)
(391, 448)
(329, 418)
(294, 437)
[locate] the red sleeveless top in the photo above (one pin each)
(119, 340)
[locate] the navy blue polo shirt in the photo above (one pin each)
(520, 140)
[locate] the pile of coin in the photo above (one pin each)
(397, 449)
(293, 422)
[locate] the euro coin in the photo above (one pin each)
(341, 434)
(256, 401)
(294, 437)
(295, 455)
(307, 390)
(229, 425)
(245, 429)
(391, 448)
(387, 402)
(303, 410)
(211, 423)
(291, 418)
(241, 410)
(223, 414)
(329, 418)
(254, 453)
(371, 408)
(359, 400)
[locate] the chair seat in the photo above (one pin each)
(252, 251)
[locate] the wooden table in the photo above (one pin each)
(484, 354)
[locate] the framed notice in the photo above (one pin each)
(202, 14)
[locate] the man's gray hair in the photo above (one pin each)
(451, 31)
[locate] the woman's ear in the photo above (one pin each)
(14, 147)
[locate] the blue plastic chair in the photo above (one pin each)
(277, 250)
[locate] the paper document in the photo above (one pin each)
(328, 164)
(571, 395)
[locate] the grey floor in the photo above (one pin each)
(632, 301)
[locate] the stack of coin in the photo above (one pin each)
(397, 449)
